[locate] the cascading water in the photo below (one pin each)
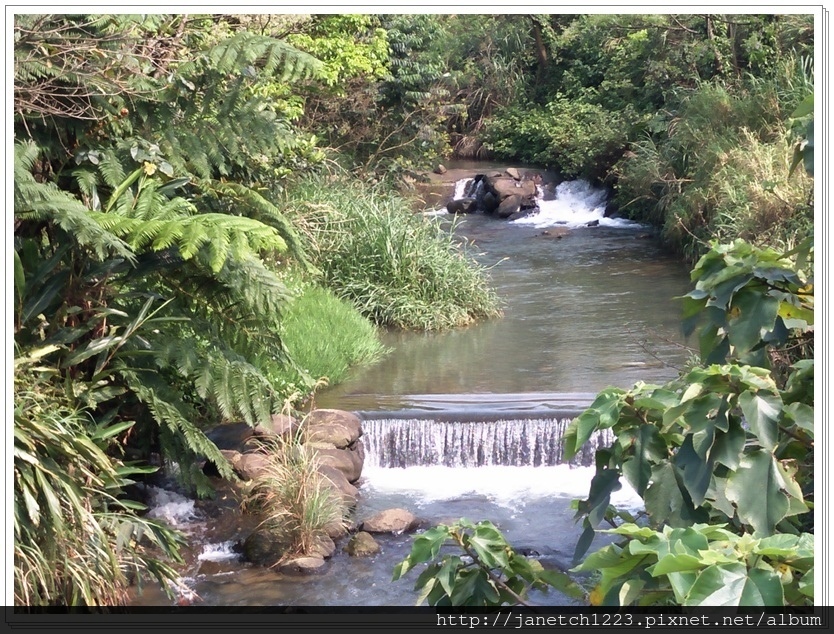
(511, 443)
(574, 204)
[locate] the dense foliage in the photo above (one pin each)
(156, 277)
(182, 237)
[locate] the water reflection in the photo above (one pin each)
(592, 309)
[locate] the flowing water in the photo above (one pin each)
(467, 423)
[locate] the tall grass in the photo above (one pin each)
(326, 335)
(76, 540)
(720, 170)
(297, 504)
(400, 269)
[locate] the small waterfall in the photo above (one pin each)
(524, 442)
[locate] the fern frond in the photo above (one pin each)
(246, 50)
(246, 201)
(185, 440)
(34, 201)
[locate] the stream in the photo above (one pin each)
(466, 423)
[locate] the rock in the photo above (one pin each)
(209, 568)
(230, 435)
(489, 203)
(332, 426)
(461, 206)
(509, 206)
(390, 521)
(593, 223)
(339, 484)
(231, 456)
(279, 425)
(513, 172)
(302, 565)
(262, 549)
(611, 210)
(251, 465)
(505, 186)
(522, 213)
(440, 169)
(349, 461)
(555, 232)
(336, 529)
(323, 547)
(362, 544)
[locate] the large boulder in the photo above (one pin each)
(323, 546)
(302, 565)
(504, 186)
(349, 460)
(332, 426)
(513, 173)
(489, 203)
(262, 549)
(461, 206)
(250, 465)
(339, 483)
(279, 425)
(509, 206)
(230, 435)
(390, 521)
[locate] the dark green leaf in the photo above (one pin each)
(761, 410)
(756, 490)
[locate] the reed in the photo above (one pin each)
(400, 269)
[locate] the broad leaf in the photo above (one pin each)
(756, 490)
(762, 413)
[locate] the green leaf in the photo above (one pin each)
(563, 583)
(752, 314)
(721, 585)
(696, 470)
(762, 414)
(756, 490)
(763, 588)
(675, 563)
(649, 449)
(727, 447)
(802, 416)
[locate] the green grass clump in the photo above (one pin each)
(400, 269)
(297, 503)
(326, 335)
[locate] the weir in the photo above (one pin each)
(525, 442)
(476, 430)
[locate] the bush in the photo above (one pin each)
(326, 336)
(717, 168)
(400, 269)
(77, 540)
(578, 139)
(297, 502)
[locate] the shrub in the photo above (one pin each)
(77, 540)
(578, 139)
(326, 336)
(297, 502)
(400, 269)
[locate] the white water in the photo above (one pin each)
(173, 508)
(223, 551)
(507, 487)
(575, 205)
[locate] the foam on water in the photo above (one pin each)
(223, 551)
(505, 486)
(575, 204)
(171, 507)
